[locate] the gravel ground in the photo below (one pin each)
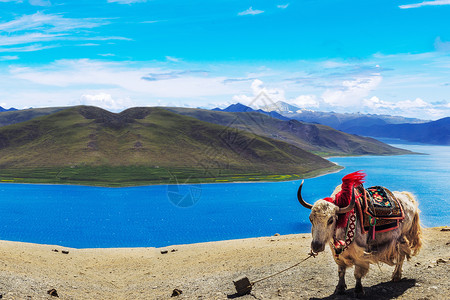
(207, 270)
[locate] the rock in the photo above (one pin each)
(176, 292)
(445, 229)
(441, 261)
(53, 293)
(174, 250)
(276, 234)
(55, 250)
(65, 252)
(164, 251)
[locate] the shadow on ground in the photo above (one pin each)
(382, 291)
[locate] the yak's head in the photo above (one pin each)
(323, 217)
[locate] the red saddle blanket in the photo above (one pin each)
(377, 206)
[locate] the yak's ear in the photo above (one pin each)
(300, 198)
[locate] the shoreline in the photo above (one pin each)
(206, 271)
(334, 169)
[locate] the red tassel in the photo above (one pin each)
(343, 198)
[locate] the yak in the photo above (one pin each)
(335, 222)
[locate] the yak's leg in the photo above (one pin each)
(403, 251)
(360, 272)
(341, 286)
(397, 275)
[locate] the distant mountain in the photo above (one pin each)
(238, 107)
(319, 139)
(16, 116)
(282, 107)
(337, 120)
(103, 144)
(4, 109)
(435, 132)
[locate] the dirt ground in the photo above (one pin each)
(207, 270)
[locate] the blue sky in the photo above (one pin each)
(384, 57)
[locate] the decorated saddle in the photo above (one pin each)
(377, 208)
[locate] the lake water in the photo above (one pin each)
(156, 216)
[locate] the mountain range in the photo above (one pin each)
(435, 132)
(144, 145)
(157, 144)
(379, 126)
(238, 107)
(319, 139)
(4, 109)
(337, 120)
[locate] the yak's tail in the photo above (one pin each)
(414, 234)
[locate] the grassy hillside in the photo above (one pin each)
(319, 139)
(17, 116)
(143, 145)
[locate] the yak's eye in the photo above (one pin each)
(330, 221)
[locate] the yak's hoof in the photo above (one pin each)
(340, 289)
(396, 277)
(359, 291)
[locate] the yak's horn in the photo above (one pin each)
(300, 199)
(343, 210)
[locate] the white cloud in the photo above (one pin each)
(439, 45)
(173, 59)
(347, 86)
(351, 92)
(40, 2)
(426, 3)
(29, 48)
(9, 57)
(283, 6)
(250, 11)
(126, 1)
(273, 95)
(105, 101)
(375, 103)
(32, 2)
(49, 23)
(417, 108)
(87, 74)
(29, 38)
(306, 101)
(45, 28)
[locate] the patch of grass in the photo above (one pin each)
(109, 176)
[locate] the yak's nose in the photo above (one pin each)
(317, 247)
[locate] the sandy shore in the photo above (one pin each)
(206, 271)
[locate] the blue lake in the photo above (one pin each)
(156, 216)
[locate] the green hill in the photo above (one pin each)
(17, 116)
(143, 145)
(319, 139)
